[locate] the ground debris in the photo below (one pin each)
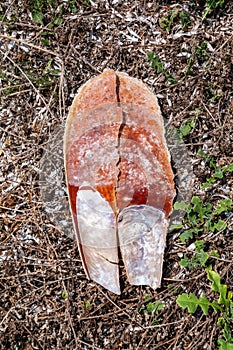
(47, 52)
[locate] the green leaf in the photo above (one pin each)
(216, 307)
(58, 21)
(188, 263)
(188, 234)
(185, 129)
(86, 304)
(223, 206)
(38, 17)
(154, 307)
(188, 301)
(155, 63)
(218, 287)
(204, 304)
(226, 329)
(214, 253)
(225, 345)
(218, 173)
(150, 55)
(203, 154)
(197, 204)
(228, 168)
(185, 20)
(207, 210)
(55, 71)
(175, 227)
(64, 294)
(49, 64)
(180, 205)
(191, 302)
(189, 65)
(170, 77)
(205, 13)
(202, 257)
(173, 14)
(209, 182)
(215, 278)
(220, 225)
(200, 245)
(147, 296)
(165, 24)
(45, 42)
(213, 4)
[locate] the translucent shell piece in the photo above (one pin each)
(119, 178)
(142, 237)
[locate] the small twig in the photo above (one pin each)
(12, 209)
(225, 42)
(164, 324)
(6, 315)
(207, 110)
(7, 37)
(8, 8)
(182, 280)
(61, 91)
(23, 91)
(102, 316)
(12, 86)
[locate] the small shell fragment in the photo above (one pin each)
(119, 178)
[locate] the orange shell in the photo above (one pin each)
(118, 169)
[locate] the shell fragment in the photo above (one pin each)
(119, 178)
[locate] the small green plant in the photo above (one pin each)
(73, 7)
(199, 217)
(50, 70)
(169, 77)
(56, 22)
(156, 63)
(152, 308)
(168, 22)
(201, 258)
(40, 7)
(189, 65)
(185, 129)
(38, 17)
(223, 307)
(213, 96)
(64, 294)
(224, 206)
(86, 304)
(201, 52)
(185, 20)
(210, 5)
(218, 171)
